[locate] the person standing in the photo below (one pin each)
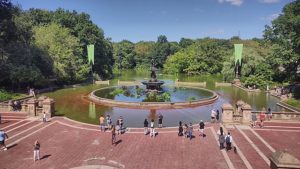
(121, 123)
(146, 123)
(269, 114)
(108, 121)
(3, 136)
(254, 120)
(201, 127)
(101, 120)
(113, 135)
(185, 130)
(152, 130)
(228, 140)
(213, 115)
(218, 116)
(190, 129)
(0, 119)
(180, 129)
(160, 120)
(44, 117)
(36, 150)
(117, 128)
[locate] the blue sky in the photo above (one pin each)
(137, 20)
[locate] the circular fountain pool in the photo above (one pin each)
(140, 97)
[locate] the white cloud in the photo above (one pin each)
(270, 17)
(269, 1)
(232, 2)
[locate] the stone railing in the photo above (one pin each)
(203, 84)
(102, 82)
(240, 115)
(222, 84)
(282, 115)
(128, 83)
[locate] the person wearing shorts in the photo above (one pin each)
(3, 136)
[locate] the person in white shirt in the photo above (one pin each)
(228, 140)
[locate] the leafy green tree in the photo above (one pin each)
(203, 57)
(185, 42)
(284, 35)
(161, 51)
(64, 49)
(124, 55)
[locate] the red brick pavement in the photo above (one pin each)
(280, 140)
(67, 144)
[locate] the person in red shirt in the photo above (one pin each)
(262, 118)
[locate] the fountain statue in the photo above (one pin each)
(153, 84)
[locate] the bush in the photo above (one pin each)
(293, 102)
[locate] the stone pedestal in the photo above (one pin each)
(283, 160)
(23, 105)
(49, 106)
(237, 82)
(32, 105)
(227, 114)
(246, 113)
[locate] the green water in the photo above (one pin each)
(73, 102)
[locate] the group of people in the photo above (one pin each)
(225, 140)
(16, 105)
(152, 131)
(262, 117)
(187, 130)
(117, 128)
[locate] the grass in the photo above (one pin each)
(5, 95)
(293, 102)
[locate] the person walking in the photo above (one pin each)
(190, 129)
(221, 141)
(180, 129)
(152, 130)
(218, 116)
(146, 123)
(101, 120)
(220, 131)
(44, 117)
(253, 120)
(36, 150)
(3, 136)
(113, 135)
(228, 140)
(0, 118)
(201, 127)
(160, 120)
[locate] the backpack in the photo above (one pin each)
(227, 139)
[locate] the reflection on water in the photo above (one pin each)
(74, 103)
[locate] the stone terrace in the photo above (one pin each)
(69, 144)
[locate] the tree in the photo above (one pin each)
(124, 55)
(203, 57)
(284, 35)
(184, 42)
(161, 51)
(64, 49)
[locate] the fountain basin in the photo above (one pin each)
(100, 96)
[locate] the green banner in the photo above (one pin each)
(90, 50)
(238, 50)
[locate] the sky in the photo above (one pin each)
(145, 20)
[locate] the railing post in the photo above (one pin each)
(227, 114)
(246, 113)
(32, 104)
